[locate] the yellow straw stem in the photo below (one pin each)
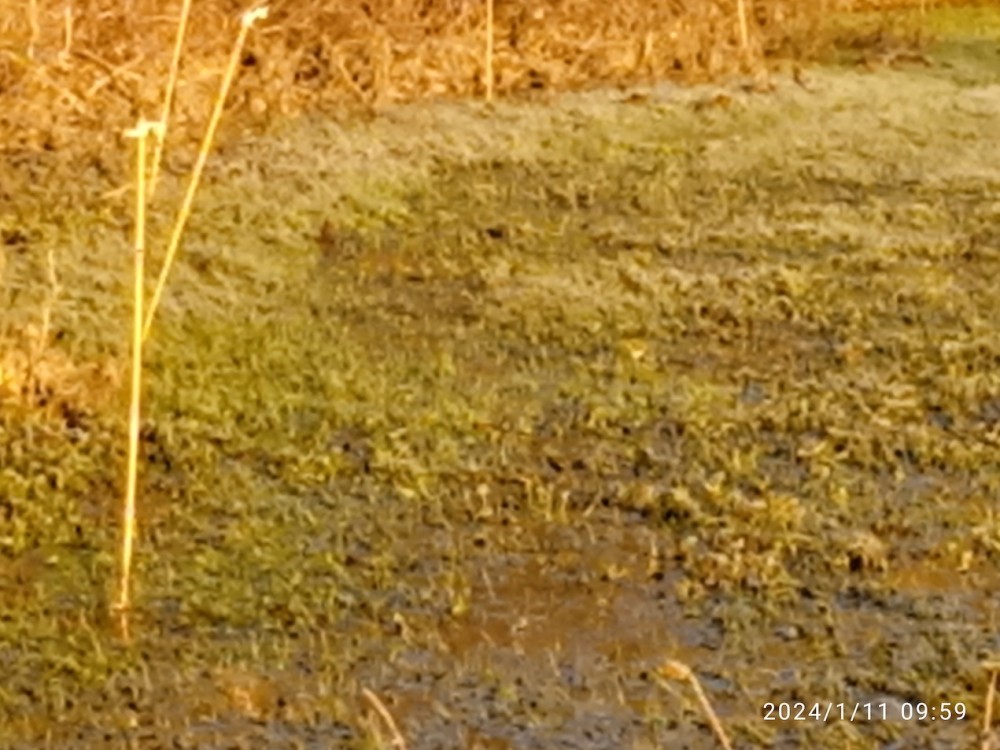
(675, 670)
(397, 739)
(991, 691)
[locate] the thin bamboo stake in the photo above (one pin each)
(489, 50)
(140, 133)
(168, 96)
(246, 22)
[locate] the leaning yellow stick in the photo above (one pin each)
(168, 96)
(140, 133)
(247, 21)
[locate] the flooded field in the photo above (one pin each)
(493, 412)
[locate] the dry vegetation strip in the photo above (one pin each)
(96, 65)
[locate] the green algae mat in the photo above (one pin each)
(493, 412)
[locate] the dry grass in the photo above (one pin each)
(36, 375)
(98, 65)
(52, 381)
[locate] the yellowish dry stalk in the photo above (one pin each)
(168, 96)
(33, 24)
(140, 133)
(247, 21)
(991, 691)
(675, 670)
(379, 706)
(38, 337)
(741, 12)
(67, 30)
(489, 50)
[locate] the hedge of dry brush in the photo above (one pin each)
(97, 65)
